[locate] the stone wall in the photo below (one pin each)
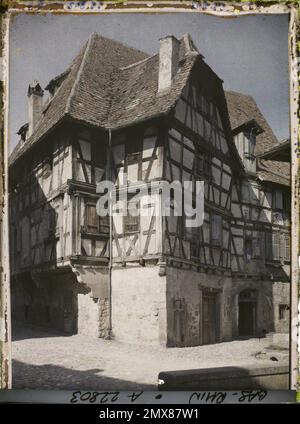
(139, 305)
(146, 308)
(187, 287)
(185, 291)
(281, 296)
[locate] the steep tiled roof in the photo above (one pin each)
(110, 85)
(135, 95)
(274, 171)
(243, 108)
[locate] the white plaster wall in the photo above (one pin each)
(88, 315)
(139, 305)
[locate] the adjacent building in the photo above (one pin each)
(117, 113)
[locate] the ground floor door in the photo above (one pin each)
(247, 313)
(209, 318)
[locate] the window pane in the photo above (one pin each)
(132, 220)
(216, 230)
(278, 199)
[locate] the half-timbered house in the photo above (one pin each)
(118, 114)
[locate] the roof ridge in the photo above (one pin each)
(79, 72)
(97, 34)
(123, 68)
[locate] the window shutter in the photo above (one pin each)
(276, 246)
(282, 249)
(287, 247)
(269, 250)
(92, 219)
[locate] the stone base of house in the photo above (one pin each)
(179, 307)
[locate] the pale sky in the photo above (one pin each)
(249, 53)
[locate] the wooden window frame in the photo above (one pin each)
(101, 227)
(128, 218)
(275, 195)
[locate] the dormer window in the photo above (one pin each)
(249, 145)
(245, 141)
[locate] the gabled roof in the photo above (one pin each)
(274, 172)
(243, 108)
(110, 85)
(280, 152)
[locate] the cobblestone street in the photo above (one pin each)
(50, 361)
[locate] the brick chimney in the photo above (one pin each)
(35, 105)
(168, 62)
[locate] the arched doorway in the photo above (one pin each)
(247, 313)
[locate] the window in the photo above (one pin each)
(249, 145)
(132, 219)
(133, 161)
(269, 253)
(216, 230)
(93, 222)
(92, 219)
(194, 245)
(283, 311)
(248, 249)
(286, 202)
(278, 199)
(257, 246)
(199, 164)
(104, 224)
(277, 246)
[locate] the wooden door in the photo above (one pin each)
(246, 319)
(209, 318)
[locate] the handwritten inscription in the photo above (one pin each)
(92, 397)
(207, 397)
(220, 397)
